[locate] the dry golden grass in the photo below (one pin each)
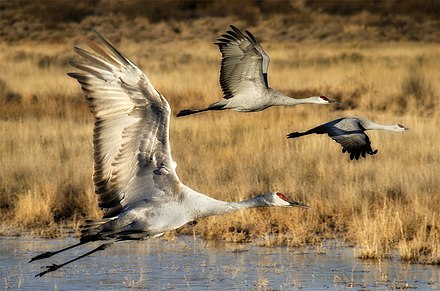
(382, 203)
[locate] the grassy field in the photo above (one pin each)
(385, 202)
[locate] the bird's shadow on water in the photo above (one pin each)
(192, 263)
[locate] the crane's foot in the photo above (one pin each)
(52, 268)
(103, 247)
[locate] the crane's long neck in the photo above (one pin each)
(369, 125)
(203, 206)
(282, 100)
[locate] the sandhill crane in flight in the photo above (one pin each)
(134, 173)
(243, 77)
(349, 132)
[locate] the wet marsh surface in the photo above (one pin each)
(189, 263)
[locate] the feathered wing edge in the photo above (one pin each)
(124, 104)
(358, 150)
(236, 37)
(115, 102)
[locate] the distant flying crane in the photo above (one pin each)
(134, 173)
(243, 77)
(349, 132)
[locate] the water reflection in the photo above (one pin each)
(189, 263)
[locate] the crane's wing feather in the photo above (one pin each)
(131, 151)
(346, 124)
(266, 59)
(350, 134)
(244, 65)
(356, 144)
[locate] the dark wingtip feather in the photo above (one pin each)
(72, 75)
(80, 77)
(234, 34)
(362, 153)
(251, 36)
(96, 32)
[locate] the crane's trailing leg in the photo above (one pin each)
(50, 254)
(84, 240)
(186, 112)
(214, 106)
(55, 267)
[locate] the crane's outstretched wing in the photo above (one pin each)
(131, 151)
(244, 65)
(349, 132)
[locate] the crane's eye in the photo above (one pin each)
(282, 196)
(323, 98)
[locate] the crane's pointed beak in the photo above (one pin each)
(298, 204)
(404, 127)
(334, 101)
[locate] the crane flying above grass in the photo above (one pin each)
(349, 132)
(134, 173)
(243, 77)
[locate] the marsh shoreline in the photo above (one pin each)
(189, 263)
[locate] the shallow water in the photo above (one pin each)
(190, 263)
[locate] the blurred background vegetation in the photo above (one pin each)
(57, 20)
(380, 58)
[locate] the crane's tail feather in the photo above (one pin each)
(93, 227)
